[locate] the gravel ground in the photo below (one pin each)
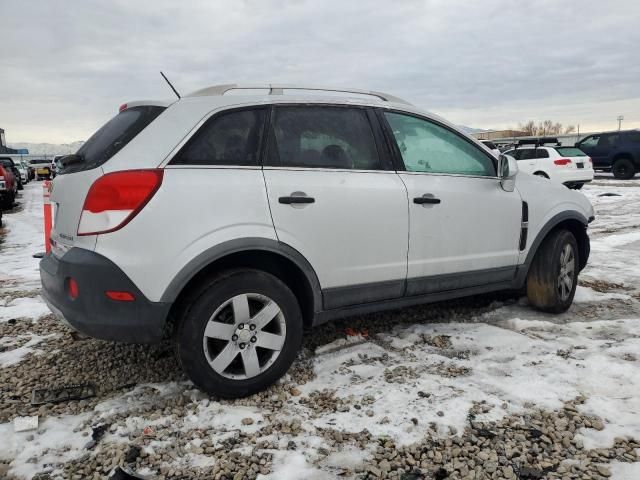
(147, 416)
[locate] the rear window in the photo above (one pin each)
(570, 152)
(113, 136)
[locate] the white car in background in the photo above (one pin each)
(24, 172)
(567, 165)
(491, 146)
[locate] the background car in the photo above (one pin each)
(8, 164)
(491, 146)
(567, 165)
(24, 172)
(42, 168)
(23, 166)
(8, 187)
(618, 152)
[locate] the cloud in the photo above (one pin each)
(66, 66)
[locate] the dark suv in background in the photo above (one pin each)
(618, 152)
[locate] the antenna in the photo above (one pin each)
(172, 87)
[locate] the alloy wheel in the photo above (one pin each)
(566, 274)
(244, 336)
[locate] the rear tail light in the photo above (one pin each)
(590, 160)
(562, 161)
(122, 108)
(115, 198)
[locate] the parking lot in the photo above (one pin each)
(479, 388)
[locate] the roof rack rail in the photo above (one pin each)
(537, 141)
(277, 89)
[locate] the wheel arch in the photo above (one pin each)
(570, 220)
(271, 256)
(541, 173)
(628, 156)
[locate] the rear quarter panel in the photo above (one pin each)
(195, 209)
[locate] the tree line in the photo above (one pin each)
(547, 127)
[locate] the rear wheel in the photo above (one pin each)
(541, 174)
(239, 333)
(623, 169)
(553, 276)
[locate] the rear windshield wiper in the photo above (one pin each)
(71, 159)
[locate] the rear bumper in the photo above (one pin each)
(573, 175)
(92, 312)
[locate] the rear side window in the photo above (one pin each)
(633, 137)
(527, 154)
(542, 153)
(608, 140)
(113, 136)
(513, 153)
(322, 137)
(231, 138)
(570, 152)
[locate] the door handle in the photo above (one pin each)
(426, 200)
(296, 200)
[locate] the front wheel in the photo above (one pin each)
(239, 333)
(623, 169)
(553, 276)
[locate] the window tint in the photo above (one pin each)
(513, 153)
(113, 136)
(427, 147)
(322, 137)
(228, 139)
(591, 141)
(608, 140)
(633, 137)
(542, 153)
(527, 154)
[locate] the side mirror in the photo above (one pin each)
(507, 170)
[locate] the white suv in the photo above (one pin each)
(230, 222)
(567, 165)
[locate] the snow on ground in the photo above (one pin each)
(405, 383)
(23, 236)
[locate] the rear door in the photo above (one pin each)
(335, 198)
(464, 228)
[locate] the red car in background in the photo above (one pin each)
(8, 188)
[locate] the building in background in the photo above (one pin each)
(498, 134)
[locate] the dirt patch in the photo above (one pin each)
(602, 286)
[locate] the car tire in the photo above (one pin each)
(623, 169)
(553, 275)
(216, 343)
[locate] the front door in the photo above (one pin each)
(334, 199)
(464, 228)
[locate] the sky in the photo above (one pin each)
(66, 66)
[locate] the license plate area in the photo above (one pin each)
(580, 165)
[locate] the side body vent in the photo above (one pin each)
(525, 226)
